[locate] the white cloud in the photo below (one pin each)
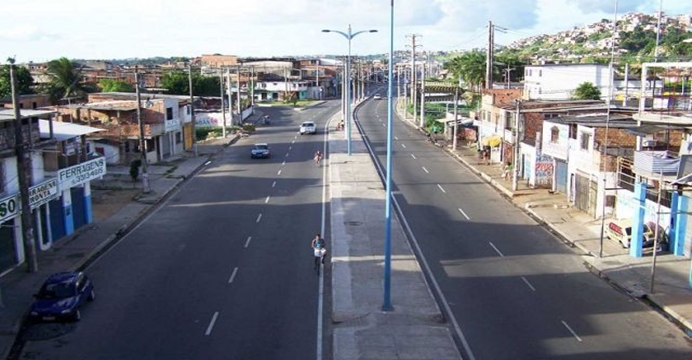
(137, 28)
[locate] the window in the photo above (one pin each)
(584, 142)
(178, 138)
(573, 131)
(554, 134)
(187, 110)
(169, 113)
(540, 73)
(34, 105)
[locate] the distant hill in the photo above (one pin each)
(635, 38)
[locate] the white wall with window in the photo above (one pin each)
(558, 81)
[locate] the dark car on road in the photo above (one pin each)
(260, 150)
(61, 296)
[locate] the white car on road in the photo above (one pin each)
(307, 127)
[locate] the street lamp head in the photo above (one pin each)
(372, 30)
(326, 30)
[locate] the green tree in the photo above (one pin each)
(178, 83)
(587, 91)
(64, 79)
(24, 81)
(111, 85)
(469, 67)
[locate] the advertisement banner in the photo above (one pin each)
(42, 193)
(81, 173)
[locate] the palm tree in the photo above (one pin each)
(469, 67)
(64, 79)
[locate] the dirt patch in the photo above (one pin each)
(105, 203)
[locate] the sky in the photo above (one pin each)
(43, 30)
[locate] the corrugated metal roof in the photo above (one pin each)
(8, 114)
(64, 131)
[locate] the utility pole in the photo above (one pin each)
(489, 57)
(627, 82)
(240, 112)
(317, 80)
(223, 104)
(192, 111)
(422, 98)
(515, 165)
(252, 88)
(456, 103)
(230, 96)
(142, 143)
(414, 91)
(23, 175)
(508, 72)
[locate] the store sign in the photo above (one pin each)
(79, 174)
(9, 207)
(43, 193)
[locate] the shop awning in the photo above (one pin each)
(492, 141)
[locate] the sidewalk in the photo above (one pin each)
(671, 293)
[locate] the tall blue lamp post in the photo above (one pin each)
(387, 303)
(347, 77)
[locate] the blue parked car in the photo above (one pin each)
(61, 296)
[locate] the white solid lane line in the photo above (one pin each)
(496, 249)
(211, 323)
(267, 199)
(441, 189)
(247, 242)
(426, 170)
(463, 213)
(413, 156)
(570, 330)
(528, 284)
(235, 271)
(259, 217)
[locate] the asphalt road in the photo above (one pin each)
(514, 290)
(223, 269)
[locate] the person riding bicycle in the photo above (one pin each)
(319, 247)
(318, 157)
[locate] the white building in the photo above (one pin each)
(558, 81)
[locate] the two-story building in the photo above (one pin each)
(59, 171)
(162, 120)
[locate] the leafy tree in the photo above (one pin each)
(587, 91)
(24, 81)
(469, 67)
(178, 83)
(111, 85)
(64, 79)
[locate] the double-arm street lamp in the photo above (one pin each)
(347, 77)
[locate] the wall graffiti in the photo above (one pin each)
(544, 170)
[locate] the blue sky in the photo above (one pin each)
(43, 30)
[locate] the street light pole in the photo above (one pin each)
(347, 79)
(387, 303)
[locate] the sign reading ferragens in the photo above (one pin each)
(79, 174)
(38, 195)
(50, 189)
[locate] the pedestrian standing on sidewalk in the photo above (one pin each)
(507, 170)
